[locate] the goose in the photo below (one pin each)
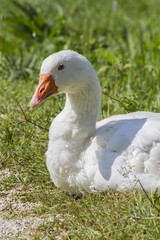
(120, 152)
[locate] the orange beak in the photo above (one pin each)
(45, 89)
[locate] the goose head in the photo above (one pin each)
(64, 72)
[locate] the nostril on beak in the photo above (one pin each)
(42, 90)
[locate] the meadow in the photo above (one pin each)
(122, 41)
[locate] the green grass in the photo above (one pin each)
(127, 40)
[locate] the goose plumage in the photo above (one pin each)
(120, 152)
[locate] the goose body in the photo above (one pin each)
(119, 152)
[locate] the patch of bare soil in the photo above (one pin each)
(17, 218)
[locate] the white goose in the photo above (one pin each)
(117, 152)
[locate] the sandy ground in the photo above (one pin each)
(17, 218)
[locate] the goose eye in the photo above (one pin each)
(61, 67)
